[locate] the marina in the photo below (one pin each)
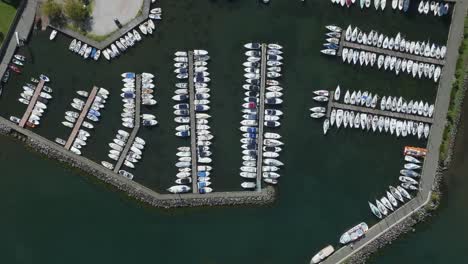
(81, 118)
(261, 149)
(193, 139)
(374, 111)
(32, 103)
(135, 129)
(307, 170)
(398, 54)
(261, 117)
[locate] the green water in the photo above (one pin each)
(326, 182)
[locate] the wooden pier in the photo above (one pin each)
(193, 124)
(398, 54)
(374, 111)
(81, 118)
(32, 103)
(134, 132)
(261, 117)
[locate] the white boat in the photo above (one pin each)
(326, 125)
(354, 233)
(322, 254)
(179, 189)
(248, 185)
(53, 34)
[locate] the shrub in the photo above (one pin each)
(75, 10)
(52, 9)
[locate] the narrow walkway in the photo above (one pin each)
(23, 28)
(374, 111)
(261, 117)
(398, 54)
(32, 103)
(83, 114)
(193, 124)
(134, 132)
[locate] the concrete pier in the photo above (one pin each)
(134, 132)
(398, 54)
(374, 111)
(32, 103)
(193, 124)
(261, 116)
(81, 118)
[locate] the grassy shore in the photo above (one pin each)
(7, 13)
(456, 97)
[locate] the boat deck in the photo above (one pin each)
(193, 125)
(135, 130)
(374, 111)
(408, 56)
(81, 118)
(32, 103)
(261, 117)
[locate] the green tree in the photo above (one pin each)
(52, 9)
(75, 10)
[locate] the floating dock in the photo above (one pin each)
(374, 111)
(32, 103)
(134, 132)
(81, 118)
(398, 54)
(193, 124)
(261, 117)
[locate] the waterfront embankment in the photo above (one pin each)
(402, 220)
(132, 188)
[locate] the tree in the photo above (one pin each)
(76, 10)
(52, 9)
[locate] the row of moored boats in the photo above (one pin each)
(182, 109)
(133, 156)
(408, 178)
(396, 43)
(119, 46)
(387, 62)
(367, 121)
(129, 101)
(40, 105)
(401, 5)
(435, 8)
(252, 113)
(93, 115)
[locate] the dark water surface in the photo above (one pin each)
(59, 216)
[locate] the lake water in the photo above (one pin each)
(325, 184)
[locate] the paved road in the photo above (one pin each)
(23, 28)
(435, 139)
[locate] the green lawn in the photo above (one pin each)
(7, 13)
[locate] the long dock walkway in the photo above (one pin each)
(431, 161)
(135, 130)
(261, 117)
(32, 103)
(398, 54)
(81, 118)
(374, 111)
(193, 125)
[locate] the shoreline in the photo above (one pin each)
(132, 188)
(427, 200)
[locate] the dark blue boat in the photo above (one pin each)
(406, 5)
